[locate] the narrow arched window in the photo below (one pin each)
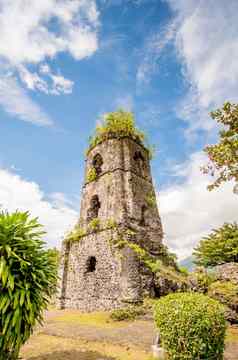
(143, 215)
(93, 210)
(91, 264)
(138, 156)
(97, 163)
(139, 161)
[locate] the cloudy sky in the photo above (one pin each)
(63, 63)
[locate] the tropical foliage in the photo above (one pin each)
(191, 326)
(223, 156)
(219, 247)
(28, 276)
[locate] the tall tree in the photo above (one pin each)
(223, 156)
(219, 247)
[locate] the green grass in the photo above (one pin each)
(42, 347)
(98, 319)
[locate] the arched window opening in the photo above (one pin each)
(139, 160)
(91, 264)
(138, 156)
(143, 215)
(97, 163)
(94, 208)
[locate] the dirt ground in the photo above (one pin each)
(70, 335)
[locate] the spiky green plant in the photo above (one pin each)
(28, 277)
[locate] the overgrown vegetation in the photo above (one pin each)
(151, 200)
(226, 292)
(202, 279)
(27, 280)
(128, 313)
(75, 235)
(94, 224)
(163, 268)
(223, 156)
(111, 224)
(219, 247)
(91, 175)
(117, 124)
(192, 326)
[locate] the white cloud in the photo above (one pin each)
(19, 194)
(50, 84)
(27, 34)
(32, 80)
(34, 32)
(15, 101)
(152, 51)
(189, 211)
(207, 45)
(205, 36)
(61, 85)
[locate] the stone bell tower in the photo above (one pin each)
(98, 270)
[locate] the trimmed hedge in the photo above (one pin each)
(192, 326)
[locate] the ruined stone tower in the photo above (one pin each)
(99, 270)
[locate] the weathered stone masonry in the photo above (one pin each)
(96, 272)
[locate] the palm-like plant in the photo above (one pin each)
(28, 276)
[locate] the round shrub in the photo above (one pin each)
(28, 277)
(192, 326)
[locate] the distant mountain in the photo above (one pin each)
(188, 263)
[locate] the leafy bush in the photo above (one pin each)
(226, 292)
(192, 326)
(91, 175)
(28, 276)
(117, 124)
(129, 313)
(219, 247)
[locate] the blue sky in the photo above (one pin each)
(63, 63)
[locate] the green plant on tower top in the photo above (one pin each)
(117, 124)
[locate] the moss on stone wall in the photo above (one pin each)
(75, 235)
(151, 200)
(91, 175)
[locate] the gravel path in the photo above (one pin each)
(138, 334)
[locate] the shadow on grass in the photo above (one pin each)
(72, 355)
